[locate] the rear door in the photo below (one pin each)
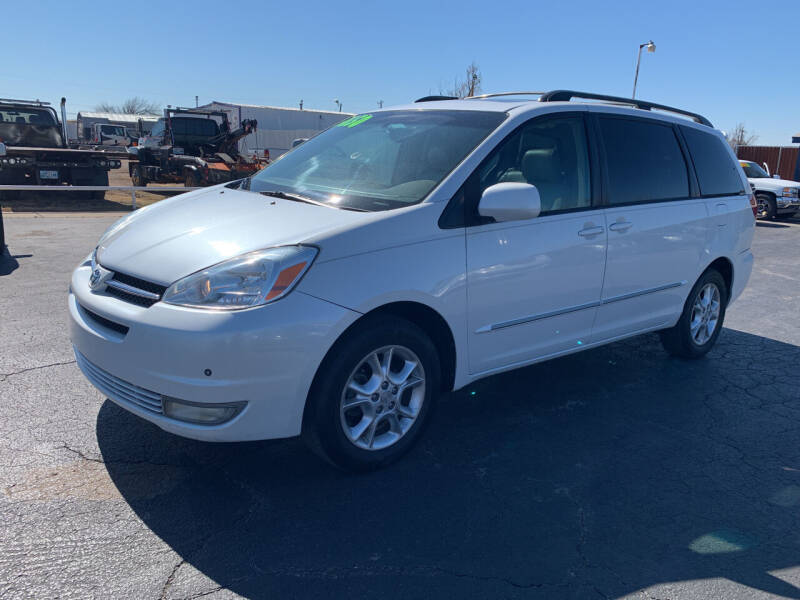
(657, 229)
(721, 186)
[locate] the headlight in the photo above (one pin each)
(248, 280)
(790, 191)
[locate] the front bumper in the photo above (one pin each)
(266, 356)
(787, 203)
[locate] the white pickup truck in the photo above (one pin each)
(775, 197)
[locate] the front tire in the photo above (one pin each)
(767, 208)
(373, 394)
(701, 321)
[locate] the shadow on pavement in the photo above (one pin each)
(771, 225)
(596, 474)
(9, 262)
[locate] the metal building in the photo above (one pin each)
(277, 126)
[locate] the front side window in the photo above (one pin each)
(550, 153)
(113, 130)
(644, 161)
(379, 161)
(716, 170)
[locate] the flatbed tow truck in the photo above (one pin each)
(34, 150)
(192, 146)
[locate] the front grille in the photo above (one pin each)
(142, 284)
(118, 389)
(113, 325)
(135, 284)
(131, 298)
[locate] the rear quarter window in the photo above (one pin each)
(716, 170)
(644, 161)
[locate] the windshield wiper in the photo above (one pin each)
(298, 198)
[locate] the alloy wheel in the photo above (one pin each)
(705, 314)
(382, 397)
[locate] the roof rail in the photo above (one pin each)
(34, 102)
(567, 95)
(435, 98)
(504, 94)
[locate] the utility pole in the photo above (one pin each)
(301, 104)
(380, 103)
(196, 101)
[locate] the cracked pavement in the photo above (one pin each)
(616, 473)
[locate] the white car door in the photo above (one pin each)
(657, 232)
(534, 285)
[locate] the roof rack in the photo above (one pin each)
(33, 102)
(567, 95)
(435, 98)
(504, 94)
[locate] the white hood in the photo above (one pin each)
(174, 238)
(767, 183)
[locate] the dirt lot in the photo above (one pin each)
(63, 202)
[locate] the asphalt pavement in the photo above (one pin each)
(615, 473)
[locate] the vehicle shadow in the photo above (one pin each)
(601, 473)
(9, 262)
(771, 225)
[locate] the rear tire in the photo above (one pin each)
(191, 180)
(701, 321)
(137, 177)
(767, 207)
(359, 417)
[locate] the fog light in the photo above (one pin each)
(201, 413)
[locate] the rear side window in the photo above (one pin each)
(644, 161)
(716, 170)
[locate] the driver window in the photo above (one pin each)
(550, 153)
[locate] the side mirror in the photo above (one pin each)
(510, 202)
(2, 149)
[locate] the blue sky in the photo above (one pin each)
(729, 60)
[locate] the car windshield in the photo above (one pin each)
(753, 170)
(27, 116)
(378, 161)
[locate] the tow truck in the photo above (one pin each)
(34, 150)
(193, 146)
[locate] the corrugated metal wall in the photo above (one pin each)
(789, 167)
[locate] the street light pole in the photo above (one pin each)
(651, 47)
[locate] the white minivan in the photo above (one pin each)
(405, 253)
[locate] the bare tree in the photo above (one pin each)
(469, 86)
(739, 136)
(131, 106)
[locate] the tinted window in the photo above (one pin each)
(549, 153)
(644, 161)
(716, 170)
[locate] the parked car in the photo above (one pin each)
(408, 252)
(775, 197)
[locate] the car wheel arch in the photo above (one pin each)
(724, 266)
(427, 318)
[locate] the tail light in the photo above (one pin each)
(266, 154)
(754, 205)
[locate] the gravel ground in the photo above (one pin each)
(615, 473)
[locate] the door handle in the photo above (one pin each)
(590, 231)
(620, 226)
